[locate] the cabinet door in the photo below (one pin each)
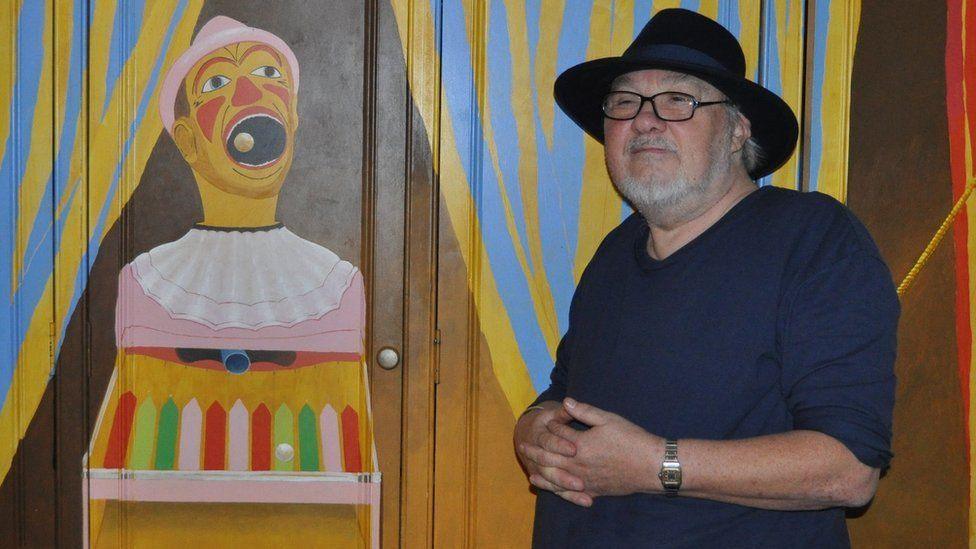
(225, 277)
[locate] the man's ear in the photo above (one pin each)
(741, 132)
(185, 140)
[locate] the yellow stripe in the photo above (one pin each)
(62, 47)
(749, 15)
(790, 44)
(66, 33)
(600, 205)
(64, 272)
(528, 169)
(8, 67)
(709, 8)
(665, 4)
(99, 42)
(422, 66)
(550, 29)
(37, 167)
(836, 93)
(108, 136)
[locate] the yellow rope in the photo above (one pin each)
(943, 229)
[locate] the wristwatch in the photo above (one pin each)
(670, 473)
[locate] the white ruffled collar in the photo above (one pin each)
(243, 278)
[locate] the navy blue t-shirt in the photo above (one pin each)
(780, 316)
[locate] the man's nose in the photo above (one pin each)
(646, 119)
(245, 92)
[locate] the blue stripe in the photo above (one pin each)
(465, 116)
(125, 36)
(38, 252)
(562, 184)
(728, 16)
(500, 98)
(30, 56)
(44, 242)
(38, 278)
(37, 266)
(692, 5)
(533, 13)
(642, 14)
(822, 19)
(770, 75)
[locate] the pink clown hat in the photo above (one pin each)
(217, 33)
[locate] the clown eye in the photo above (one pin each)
(215, 83)
(266, 71)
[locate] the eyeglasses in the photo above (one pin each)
(668, 106)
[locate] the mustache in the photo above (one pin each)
(656, 142)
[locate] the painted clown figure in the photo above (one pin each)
(239, 405)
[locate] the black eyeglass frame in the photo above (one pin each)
(645, 99)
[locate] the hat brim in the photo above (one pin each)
(579, 91)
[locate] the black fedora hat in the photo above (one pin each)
(684, 41)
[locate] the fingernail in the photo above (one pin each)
(570, 403)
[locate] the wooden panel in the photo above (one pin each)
(902, 200)
(28, 127)
(69, 387)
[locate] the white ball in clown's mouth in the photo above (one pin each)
(243, 142)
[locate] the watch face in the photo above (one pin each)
(671, 475)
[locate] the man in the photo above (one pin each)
(727, 375)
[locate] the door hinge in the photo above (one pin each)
(437, 357)
(50, 345)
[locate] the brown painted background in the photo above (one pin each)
(900, 187)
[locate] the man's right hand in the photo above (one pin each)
(530, 433)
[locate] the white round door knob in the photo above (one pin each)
(388, 358)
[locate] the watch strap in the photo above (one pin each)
(670, 474)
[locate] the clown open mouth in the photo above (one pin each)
(256, 140)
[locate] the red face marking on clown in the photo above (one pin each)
(245, 92)
(281, 92)
(207, 115)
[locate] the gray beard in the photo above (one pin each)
(671, 202)
(663, 203)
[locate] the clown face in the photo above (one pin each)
(240, 129)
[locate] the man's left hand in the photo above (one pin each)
(613, 457)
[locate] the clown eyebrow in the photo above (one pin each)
(207, 64)
(262, 47)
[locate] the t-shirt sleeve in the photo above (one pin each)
(557, 379)
(838, 355)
